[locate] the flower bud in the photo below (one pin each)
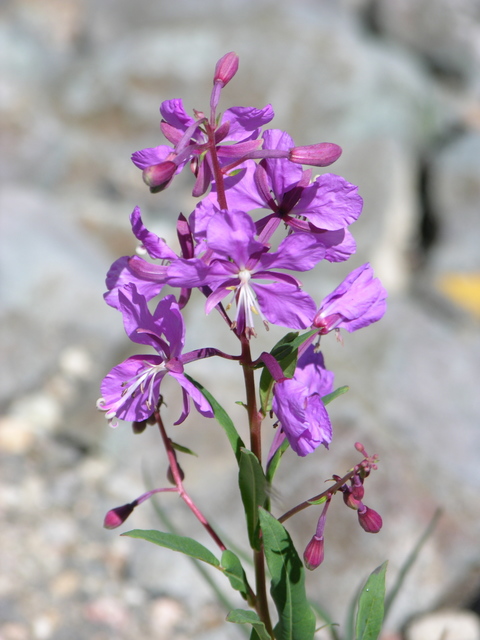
(350, 500)
(314, 553)
(116, 517)
(158, 176)
(369, 520)
(316, 155)
(226, 68)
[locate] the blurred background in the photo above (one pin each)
(396, 84)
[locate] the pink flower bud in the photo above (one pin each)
(350, 500)
(158, 176)
(226, 68)
(116, 517)
(316, 155)
(314, 553)
(369, 520)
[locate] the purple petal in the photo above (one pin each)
(336, 203)
(201, 403)
(187, 273)
(174, 113)
(303, 417)
(154, 155)
(245, 122)
(285, 304)
(231, 234)
(298, 252)
(155, 246)
(120, 275)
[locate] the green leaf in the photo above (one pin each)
(188, 546)
(296, 618)
(179, 447)
(232, 567)
(286, 353)
(222, 418)
(371, 606)
(240, 616)
(253, 489)
(338, 392)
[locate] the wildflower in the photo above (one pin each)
(357, 302)
(237, 261)
(131, 390)
(297, 403)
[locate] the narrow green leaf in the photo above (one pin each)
(331, 396)
(329, 624)
(253, 489)
(232, 567)
(241, 616)
(188, 546)
(409, 562)
(371, 606)
(296, 618)
(222, 418)
(182, 449)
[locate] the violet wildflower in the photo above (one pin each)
(297, 403)
(237, 261)
(191, 139)
(357, 302)
(131, 390)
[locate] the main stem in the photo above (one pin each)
(255, 424)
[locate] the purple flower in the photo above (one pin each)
(238, 265)
(326, 205)
(297, 403)
(131, 390)
(191, 139)
(357, 302)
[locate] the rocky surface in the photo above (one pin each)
(80, 88)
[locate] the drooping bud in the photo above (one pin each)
(116, 517)
(316, 155)
(226, 68)
(314, 553)
(158, 176)
(369, 520)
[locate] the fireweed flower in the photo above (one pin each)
(131, 390)
(297, 403)
(235, 135)
(325, 206)
(238, 265)
(357, 302)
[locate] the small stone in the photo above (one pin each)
(16, 437)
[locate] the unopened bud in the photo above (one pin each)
(314, 553)
(226, 68)
(350, 500)
(158, 176)
(369, 520)
(116, 517)
(316, 155)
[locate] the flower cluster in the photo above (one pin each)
(229, 253)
